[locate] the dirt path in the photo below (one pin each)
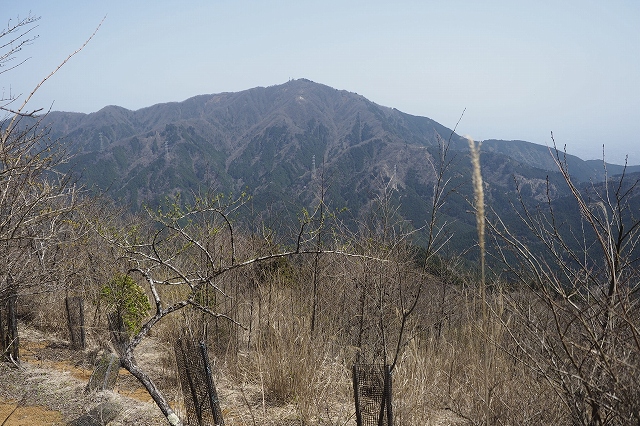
(12, 414)
(49, 388)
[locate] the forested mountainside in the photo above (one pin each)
(290, 144)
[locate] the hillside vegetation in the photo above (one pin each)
(501, 290)
(280, 144)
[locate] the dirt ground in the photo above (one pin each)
(14, 415)
(49, 388)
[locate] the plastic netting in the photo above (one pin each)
(75, 321)
(372, 394)
(200, 395)
(105, 374)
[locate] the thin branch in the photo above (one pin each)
(20, 111)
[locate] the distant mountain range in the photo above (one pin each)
(283, 143)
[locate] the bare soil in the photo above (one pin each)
(13, 414)
(49, 387)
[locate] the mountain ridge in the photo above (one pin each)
(183, 106)
(285, 144)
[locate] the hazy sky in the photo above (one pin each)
(520, 68)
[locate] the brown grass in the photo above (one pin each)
(50, 386)
(288, 376)
(278, 372)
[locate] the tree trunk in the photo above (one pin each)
(130, 365)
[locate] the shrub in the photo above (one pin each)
(123, 295)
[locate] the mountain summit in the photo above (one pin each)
(264, 139)
(287, 145)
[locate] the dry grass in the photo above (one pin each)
(50, 386)
(288, 376)
(278, 372)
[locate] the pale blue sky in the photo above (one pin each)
(520, 68)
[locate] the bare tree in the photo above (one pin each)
(35, 198)
(181, 255)
(581, 331)
(389, 300)
(17, 35)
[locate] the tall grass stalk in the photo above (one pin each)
(478, 202)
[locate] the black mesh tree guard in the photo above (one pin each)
(9, 342)
(200, 395)
(105, 374)
(119, 335)
(372, 394)
(75, 321)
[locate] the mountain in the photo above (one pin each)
(544, 157)
(287, 144)
(263, 138)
